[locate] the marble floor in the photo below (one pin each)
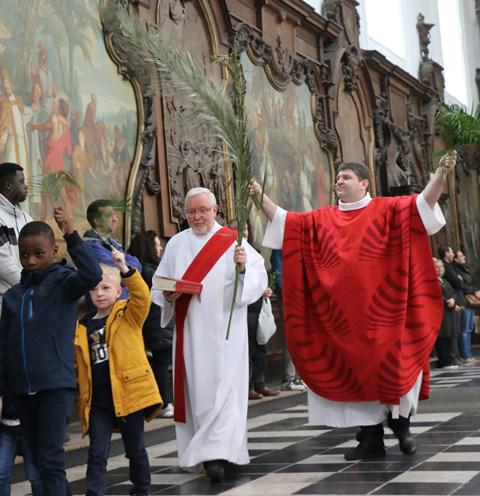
(288, 456)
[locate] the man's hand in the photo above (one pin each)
(268, 293)
(119, 259)
(64, 222)
(255, 189)
(433, 190)
(240, 257)
(450, 302)
(447, 162)
(171, 296)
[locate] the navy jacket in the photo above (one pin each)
(38, 322)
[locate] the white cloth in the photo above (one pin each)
(216, 369)
(12, 219)
(322, 411)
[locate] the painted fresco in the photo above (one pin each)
(287, 152)
(63, 105)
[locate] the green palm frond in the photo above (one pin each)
(52, 185)
(458, 127)
(160, 65)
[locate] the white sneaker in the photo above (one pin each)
(167, 412)
(449, 367)
(293, 385)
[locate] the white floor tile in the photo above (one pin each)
(455, 457)
(424, 476)
(468, 441)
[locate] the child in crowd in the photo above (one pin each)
(116, 383)
(37, 330)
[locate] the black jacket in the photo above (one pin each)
(447, 329)
(37, 326)
(155, 337)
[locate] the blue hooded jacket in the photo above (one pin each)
(38, 322)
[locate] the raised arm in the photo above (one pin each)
(267, 206)
(88, 273)
(139, 301)
(434, 188)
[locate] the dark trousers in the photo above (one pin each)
(44, 418)
(102, 422)
(160, 362)
(256, 352)
(445, 352)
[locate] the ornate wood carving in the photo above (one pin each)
(283, 68)
(176, 11)
(351, 60)
(331, 9)
(194, 156)
(147, 164)
(426, 72)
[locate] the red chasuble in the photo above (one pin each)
(361, 299)
(200, 266)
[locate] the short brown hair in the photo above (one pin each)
(360, 170)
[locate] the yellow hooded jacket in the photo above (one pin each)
(133, 383)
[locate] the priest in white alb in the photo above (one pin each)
(210, 372)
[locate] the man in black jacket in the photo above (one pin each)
(447, 255)
(467, 320)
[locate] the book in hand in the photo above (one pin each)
(162, 283)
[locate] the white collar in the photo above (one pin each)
(345, 207)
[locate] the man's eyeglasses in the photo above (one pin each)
(200, 211)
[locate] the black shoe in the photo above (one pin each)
(215, 470)
(370, 445)
(401, 429)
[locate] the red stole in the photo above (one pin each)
(361, 299)
(200, 266)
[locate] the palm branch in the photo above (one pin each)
(160, 65)
(458, 127)
(52, 185)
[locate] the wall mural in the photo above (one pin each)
(63, 106)
(286, 148)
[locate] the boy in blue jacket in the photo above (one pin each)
(37, 330)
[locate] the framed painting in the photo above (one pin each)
(63, 105)
(287, 152)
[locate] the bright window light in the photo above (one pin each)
(452, 49)
(385, 24)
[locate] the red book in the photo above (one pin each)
(162, 283)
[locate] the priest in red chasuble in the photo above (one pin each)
(362, 304)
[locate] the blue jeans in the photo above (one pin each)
(466, 326)
(44, 418)
(13, 442)
(102, 422)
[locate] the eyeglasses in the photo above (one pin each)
(200, 211)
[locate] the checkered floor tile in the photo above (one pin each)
(289, 456)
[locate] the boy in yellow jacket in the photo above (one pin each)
(115, 380)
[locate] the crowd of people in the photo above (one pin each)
(454, 343)
(118, 354)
